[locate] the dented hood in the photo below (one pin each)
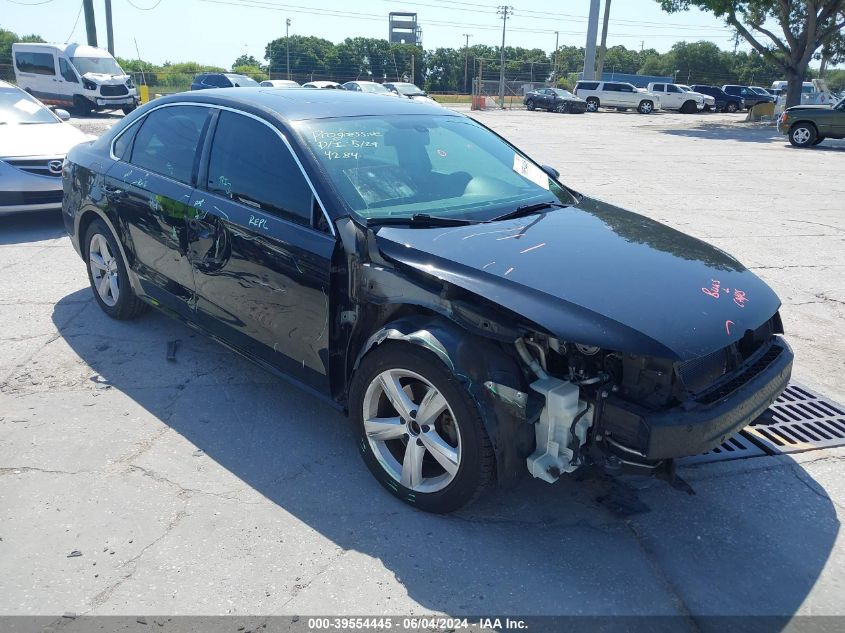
(598, 275)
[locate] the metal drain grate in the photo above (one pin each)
(799, 420)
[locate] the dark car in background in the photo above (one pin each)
(724, 101)
(808, 125)
(475, 316)
(750, 96)
(554, 100)
(206, 81)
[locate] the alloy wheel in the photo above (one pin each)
(103, 266)
(412, 431)
(801, 135)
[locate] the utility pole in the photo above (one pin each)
(109, 28)
(90, 25)
(603, 47)
(466, 58)
(504, 11)
(287, 45)
(413, 78)
(592, 31)
(554, 62)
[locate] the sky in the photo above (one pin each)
(218, 31)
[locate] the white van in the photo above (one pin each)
(81, 77)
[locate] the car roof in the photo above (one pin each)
(303, 104)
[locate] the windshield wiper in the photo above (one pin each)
(528, 209)
(418, 220)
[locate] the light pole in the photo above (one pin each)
(554, 64)
(504, 11)
(466, 58)
(287, 45)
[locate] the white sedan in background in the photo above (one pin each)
(279, 83)
(33, 144)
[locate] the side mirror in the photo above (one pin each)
(64, 115)
(551, 171)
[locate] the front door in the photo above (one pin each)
(151, 187)
(262, 272)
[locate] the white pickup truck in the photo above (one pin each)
(672, 97)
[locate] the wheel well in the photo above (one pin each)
(84, 222)
(809, 123)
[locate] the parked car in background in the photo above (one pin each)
(83, 78)
(709, 101)
(616, 94)
(749, 96)
(809, 125)
(370, 87)
(207, 81)
(673, 97)
(724, 101)
(279, 83)
(323, 85)
(360, 246)
(411, 91)
(33, 144)
(554, 100)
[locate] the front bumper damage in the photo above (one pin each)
(643, 437)
(575, 429)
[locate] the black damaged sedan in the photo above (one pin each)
(475, 316)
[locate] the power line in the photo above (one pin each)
(75, 23)
(158, 2)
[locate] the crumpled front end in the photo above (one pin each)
(639, 413)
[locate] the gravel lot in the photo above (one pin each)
(206, 486)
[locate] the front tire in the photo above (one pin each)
(818, 140)
(803, 135)
(689, 107)
(645, 107)
(108, 276)
(81, 106)
(419, 430)
(731, 107)
(592, 104)
(530, 105)
(128, 109)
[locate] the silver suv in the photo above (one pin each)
(616, 94)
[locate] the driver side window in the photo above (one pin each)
(67, 72)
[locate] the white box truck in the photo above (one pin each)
(75, 76)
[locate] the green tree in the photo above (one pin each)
(7, 38)
(807, 25)
(246, 60)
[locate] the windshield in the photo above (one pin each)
(374, 88)
(443, 166)
(408, 89)
(562, 93)
(760, 91)
(17, 107)
(242, 81)
(97, 65)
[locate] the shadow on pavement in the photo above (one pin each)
(752, 541)
(745, 133)
(32, 226)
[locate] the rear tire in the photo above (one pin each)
(803, 134)
(593, 104)
(81, 106)
(396, 441)
(107, 274)
(645, 107)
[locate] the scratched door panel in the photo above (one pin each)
(152, 210)
(262, 285)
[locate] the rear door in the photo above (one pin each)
(261, 267)
(150, 187)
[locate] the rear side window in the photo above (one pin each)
(613, 87)
(168, 141)
(218, 80)
(250, 164)
(587, 85)
(36, 63)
